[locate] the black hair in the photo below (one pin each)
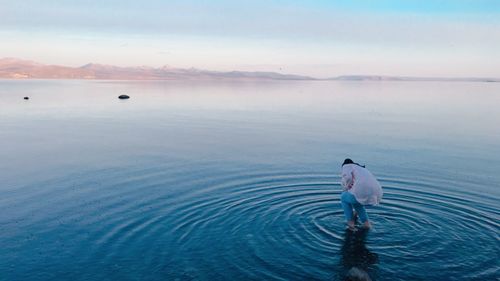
(349, 161)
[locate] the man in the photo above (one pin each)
(360, 188)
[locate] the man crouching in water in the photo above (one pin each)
(360, 188)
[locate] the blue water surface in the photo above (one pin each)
(240, 180)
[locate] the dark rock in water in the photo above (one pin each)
(123, 97)
(26, 98)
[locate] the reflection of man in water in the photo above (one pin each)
(356, 259)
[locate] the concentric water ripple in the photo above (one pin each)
(179, 223)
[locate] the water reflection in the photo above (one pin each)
(234, 181)
(356, 260)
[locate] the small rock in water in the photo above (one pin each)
(123, 97)
(26, 98)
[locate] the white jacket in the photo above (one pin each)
(362, 184)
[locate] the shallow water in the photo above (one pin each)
(239, 180)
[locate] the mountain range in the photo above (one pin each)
(12, 68)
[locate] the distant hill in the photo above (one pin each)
(22, 69)
(11, 68)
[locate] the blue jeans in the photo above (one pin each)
(349, 202)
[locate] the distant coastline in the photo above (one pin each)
(13, 68)
(412, 79)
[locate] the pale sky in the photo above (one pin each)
(447, 38)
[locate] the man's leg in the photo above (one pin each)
(363, 216)
(346, 199)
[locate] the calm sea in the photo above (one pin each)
(240, 180)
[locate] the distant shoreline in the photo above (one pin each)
(17, 69)
(242, 79)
